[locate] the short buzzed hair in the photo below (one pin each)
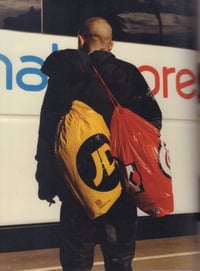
(97, 30)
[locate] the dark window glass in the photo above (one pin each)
(161, 22)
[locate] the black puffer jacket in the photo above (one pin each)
(71, 77)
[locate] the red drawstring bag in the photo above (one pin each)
(138, 147)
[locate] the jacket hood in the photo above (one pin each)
(68, 63)
(98, 58)
(73, 64)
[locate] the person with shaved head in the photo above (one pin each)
(95, 33)
(71, 77)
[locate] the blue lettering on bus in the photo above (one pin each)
(54, 47)
(26, 71)
(9, 71)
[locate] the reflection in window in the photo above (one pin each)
(30, 21)
(162, 22)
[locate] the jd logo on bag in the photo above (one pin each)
(83, 152)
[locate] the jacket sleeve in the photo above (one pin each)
(63, 74)
(51, 111)
(46, 173)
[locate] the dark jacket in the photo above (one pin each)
(71, 77)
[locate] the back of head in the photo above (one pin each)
(96, 33)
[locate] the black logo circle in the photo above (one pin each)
(95, 164)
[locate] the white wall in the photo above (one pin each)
(19, 116)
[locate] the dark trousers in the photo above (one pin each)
(115, 232)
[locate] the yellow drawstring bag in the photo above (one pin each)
(83, 153)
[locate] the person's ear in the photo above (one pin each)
(111, 46)
(81, 41)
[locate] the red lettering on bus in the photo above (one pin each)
(181, 84)
(156, 75)
(184, 78)
(166, 73)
